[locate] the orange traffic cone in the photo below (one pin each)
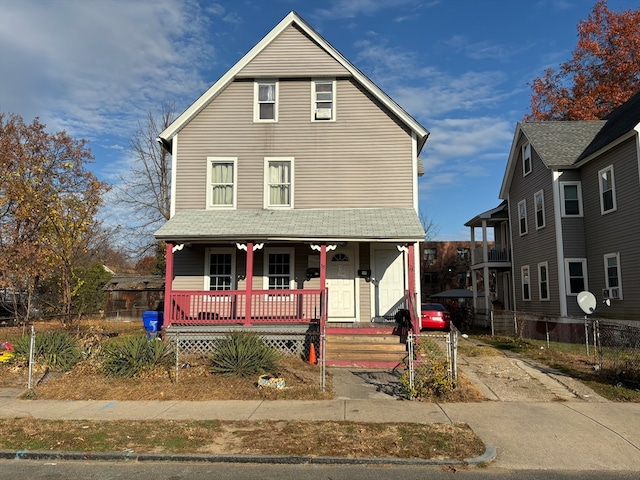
(312, 354)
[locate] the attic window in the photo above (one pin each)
(323, 100)
(265, 108)
(526, 159)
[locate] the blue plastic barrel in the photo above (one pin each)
(152, 320)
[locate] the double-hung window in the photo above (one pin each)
(430, 254)
(278, 176)
(526, 283)
(576, 275)
(543, 280)
(222, 179)
(526, 159)
(571, 194)
(220, 269)
(266, 101)
(607, 190)
(323, 100)
(538, 201)
(522, 216)
(279, 268)
(612, 276)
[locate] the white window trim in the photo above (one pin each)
(548, 297)
(313, 99)
(265, 275)
(528, 282)
(585, 274)
(562, 199)
(207, 267)
(256, 103)
(526, 154)
(266, 204)
(606, 275)
(613, 191)
(535, 206)
(210, 162)
(526, 222)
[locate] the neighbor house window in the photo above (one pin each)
(266, 101)
(323, 100)
(576, 275)
(522, 216)
(526, 283)
(278, 182)
(220, 269)
(222, 179)
(430, 254)
(538, 200)
(607, 190)
(543, 280)
(612, 276)
(463, 254)
(571, 193)
(279, 268)
(526, 159)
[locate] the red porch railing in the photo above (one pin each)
(230, 307)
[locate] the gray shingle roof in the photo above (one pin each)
(560, 144)
(375, 224)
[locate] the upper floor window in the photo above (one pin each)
(576, 275)
(612, 276)
(278, 182)
(265, 108)
(220, 269)
(571, 193)
(464, 254)
(543, 279)
(526, 159)
(522, 216)
(323, 98)
(538, 200)
(526, 283)
(221, 183)
(430, 254)
(607, 190)
(279, 268)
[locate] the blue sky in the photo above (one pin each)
(462, 68)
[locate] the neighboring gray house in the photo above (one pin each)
(572, 189)
(293, 176)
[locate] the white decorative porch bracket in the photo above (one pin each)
(177, 248)
(243, 246)
(402, 248)
(329, 247)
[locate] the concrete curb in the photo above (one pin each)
(487, 456)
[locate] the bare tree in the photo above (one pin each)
(145, 190)
(431, 230)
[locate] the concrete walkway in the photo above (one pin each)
(572, 435)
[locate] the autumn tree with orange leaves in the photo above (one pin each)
(603, 73)
(48, 207)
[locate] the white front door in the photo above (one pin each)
(388, 284)
(341, 285)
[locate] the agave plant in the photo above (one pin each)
(126, 357)
(243, 354)
(57, 350)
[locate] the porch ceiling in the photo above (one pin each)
(360, 224)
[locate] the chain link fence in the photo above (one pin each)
(612, 347)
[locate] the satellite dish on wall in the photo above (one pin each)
(587, 302)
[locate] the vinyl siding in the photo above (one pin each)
(292, 54)
(536, 246)
(615, 232)
(363, 159)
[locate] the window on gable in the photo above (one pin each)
(538, 200)
(266, 101)
(576, 275)
(612, 276)
(222, 179)
(278, 182)
(526, 283)
(543, 280)
(571, 193)
(522, 216)
(323, 97)
(279, 269)
(607, 190)
(526, 159)
(220, 270)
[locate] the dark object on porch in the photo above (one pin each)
(403, 318)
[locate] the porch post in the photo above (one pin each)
(412, 283)
(168, 280)
(249, 284)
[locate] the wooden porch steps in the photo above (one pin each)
(368, 350)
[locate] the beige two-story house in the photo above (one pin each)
(294, 192)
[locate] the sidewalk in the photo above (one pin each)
(527, 435)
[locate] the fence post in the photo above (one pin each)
(31, 348)
(177, 356)
(599, 345)
(410, 344)
(586, 335)
(323, 357)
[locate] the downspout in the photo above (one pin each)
(557, 213)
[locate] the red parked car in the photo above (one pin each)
(435, 317)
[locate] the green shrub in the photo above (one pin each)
(243, 354)
(57, 350)
(430, 380)
(126, 357)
